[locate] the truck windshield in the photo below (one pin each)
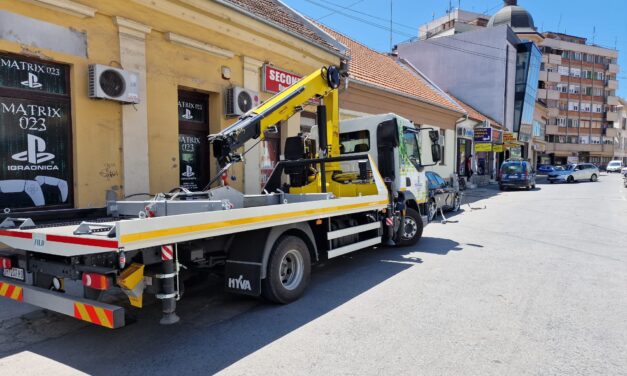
(411, 147)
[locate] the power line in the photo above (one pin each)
(347, 7)
(412, 37)
(358, 12)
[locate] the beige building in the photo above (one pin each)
(99, 95)
(578, 83)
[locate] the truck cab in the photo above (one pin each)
(401, 151)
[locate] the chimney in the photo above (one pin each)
(511, 2)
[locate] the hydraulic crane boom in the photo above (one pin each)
(322, 84)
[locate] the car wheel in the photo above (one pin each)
(593, 177)
(289, 268)
(432, 210)
(412, 231)
(501, 187)
(570, 179)
(533, 186)
(551, 181)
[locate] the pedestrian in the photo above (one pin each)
(468, 164)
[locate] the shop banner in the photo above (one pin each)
(483, 134)
(192, 110)
(497, 136)
(191, 160)
(35, 158)
(276, 80)
(497, 148)
(483, 147)
(18, 73)
(509, 138)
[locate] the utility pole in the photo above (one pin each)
(391, 26)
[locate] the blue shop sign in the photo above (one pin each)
(483, 134)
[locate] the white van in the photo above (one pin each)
(614, 166)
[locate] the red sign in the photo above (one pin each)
(276, 80)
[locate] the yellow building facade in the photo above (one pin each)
(184, 57)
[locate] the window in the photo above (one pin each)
(354, 142)
(585, 107)
(35, 134)
(562, 88)
(560, 122)
(572, 139)
(586, 74)
(562, 70)
(598, 91)
(572, 123)
(577, 56)
(599, 76)
(598, 108)
(595, 140)
(573, 106)
(574, 89)
(584, 139)
(575, 72)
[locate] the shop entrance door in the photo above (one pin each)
(193, 144)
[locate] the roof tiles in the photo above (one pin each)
(375, 68)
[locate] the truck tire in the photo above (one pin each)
(413, 228)
(289, 269)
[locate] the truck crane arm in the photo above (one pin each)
(321, 84)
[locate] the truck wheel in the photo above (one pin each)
(413, 228)
(289, 267)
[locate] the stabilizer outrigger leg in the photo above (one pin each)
(169, 293)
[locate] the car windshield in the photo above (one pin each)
(614, 164)
(570, 167)
(512, 168)
(559, 168)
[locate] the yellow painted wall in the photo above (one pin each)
(97, 124)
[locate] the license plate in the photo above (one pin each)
(15, 273)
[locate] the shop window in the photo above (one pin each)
(35, 134)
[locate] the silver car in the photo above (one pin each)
(575, 172)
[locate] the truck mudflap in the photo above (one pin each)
(98, 313)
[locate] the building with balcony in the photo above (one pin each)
(577, 80)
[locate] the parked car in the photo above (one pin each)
(545, 169)
(517, 173)
(441, 195)
(614, 166)
(575, 172)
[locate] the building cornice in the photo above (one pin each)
(193, 43)
(66, 6)
(132, 28)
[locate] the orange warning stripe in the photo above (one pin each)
(94, 315)
(11, 291)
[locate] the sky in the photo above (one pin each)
(368, 21)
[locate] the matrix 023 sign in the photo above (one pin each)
(35, 158)
(276, 80)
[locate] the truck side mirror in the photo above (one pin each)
(436, 152)
(434, 136)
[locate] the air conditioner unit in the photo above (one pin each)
(239, 101)
(113, 83)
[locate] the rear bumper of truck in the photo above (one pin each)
(94, 312)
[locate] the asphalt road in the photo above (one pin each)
(523, 283)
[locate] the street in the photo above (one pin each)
(518, 283)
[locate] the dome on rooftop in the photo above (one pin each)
(515, 16)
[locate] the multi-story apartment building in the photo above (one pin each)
(578, 83)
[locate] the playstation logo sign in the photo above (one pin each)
(35, 152)
(189, 173)
(187, 115)
(32, 82)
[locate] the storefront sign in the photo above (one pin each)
(497, 136)
(275, 80)
(191, 159)
(483, 134)
(192, 110)
(509, 138)
(483, 147)
(35, 134)
(18, 73)
(465, 132)
(498, 148)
